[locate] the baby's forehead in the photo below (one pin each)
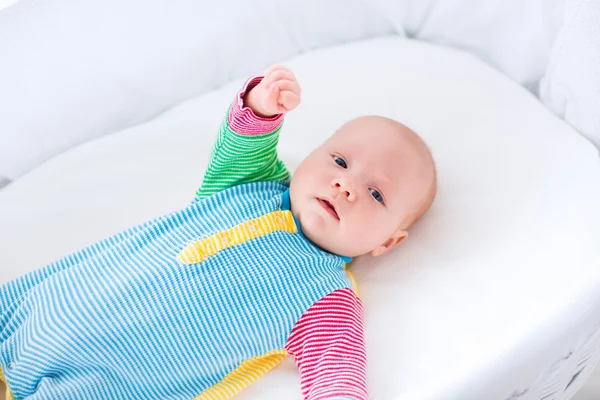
(365, 128)
(378, 139)
(383, 143)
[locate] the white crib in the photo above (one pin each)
(111, 109)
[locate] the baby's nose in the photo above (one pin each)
(349, 193)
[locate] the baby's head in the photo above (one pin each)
(380, 178)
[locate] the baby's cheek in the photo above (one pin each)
(365, 220)
(313, 225)
(351, 231)
(363, 224)
(368, 231)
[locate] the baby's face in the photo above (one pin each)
(371, 172)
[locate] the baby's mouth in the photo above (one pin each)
(328, 207)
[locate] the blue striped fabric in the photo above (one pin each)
(124, 319)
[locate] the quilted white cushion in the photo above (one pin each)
(497, 281)
(571, 84)
(66, 79)
(514, 36)
(75, 70)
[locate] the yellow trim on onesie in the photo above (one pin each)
(243, 376)
(354, 285)
(199, 250)
(9, 395)
(282, 220)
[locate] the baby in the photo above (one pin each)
(201, 302)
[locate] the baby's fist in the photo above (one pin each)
(277, 93)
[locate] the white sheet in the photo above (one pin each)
(66, 78)
(499, 281)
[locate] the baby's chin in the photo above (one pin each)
(317, 229)
(313, 225)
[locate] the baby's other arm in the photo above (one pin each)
(329, 348)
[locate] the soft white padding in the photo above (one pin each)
(74, 70)
(571, 85)
(514, 36)
(494, 284)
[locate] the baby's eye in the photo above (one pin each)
(377, 195)
(340, 161)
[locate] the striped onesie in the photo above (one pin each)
(195, 304)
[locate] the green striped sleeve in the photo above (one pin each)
(238, 159)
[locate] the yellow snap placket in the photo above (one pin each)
(197, 251)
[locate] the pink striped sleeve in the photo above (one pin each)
(243, 121)
(329, 348)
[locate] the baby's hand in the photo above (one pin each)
(277, 93)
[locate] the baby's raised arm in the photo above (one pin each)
(245, 149)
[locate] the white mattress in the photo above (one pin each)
(492, 289)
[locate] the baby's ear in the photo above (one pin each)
(393, 241)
